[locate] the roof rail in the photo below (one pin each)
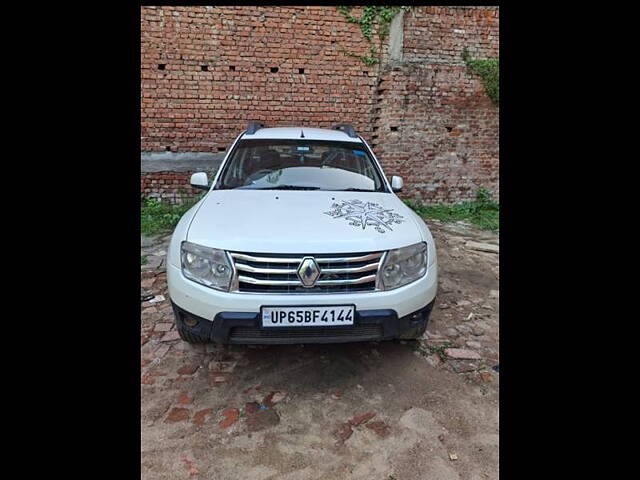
(254, 127)
(346, 128)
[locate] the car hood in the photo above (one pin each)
(281, 221)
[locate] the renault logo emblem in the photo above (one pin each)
(308, 272)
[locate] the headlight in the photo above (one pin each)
(402, 266)
(207, 266)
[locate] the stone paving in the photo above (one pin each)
(388, 410)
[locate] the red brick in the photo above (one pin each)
(380, 428)
(189, 369)
(177, 414)
(231, 416)
(200, 416)
(185, 399)
(462, 354)
(355, 421)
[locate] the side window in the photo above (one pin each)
(236, 173)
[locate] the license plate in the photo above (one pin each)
(308, 316)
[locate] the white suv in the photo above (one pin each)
(300, 239)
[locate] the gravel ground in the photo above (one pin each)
(374, 410)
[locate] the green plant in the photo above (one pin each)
(372, 60)
(489, 70)
(440, 348)
(157, 216)
(425, 350)
(143, 260)
(484, 212)
(484, 196)
(381, 15)
(377, 15)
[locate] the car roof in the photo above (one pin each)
(293, 133)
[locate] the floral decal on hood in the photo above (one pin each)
(363, 214)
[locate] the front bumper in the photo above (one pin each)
(227, 317)
(207, 303)
(244, 328)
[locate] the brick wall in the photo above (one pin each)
(207, 71)
(434, 125)
(171, 187)
(185, 108)
(438, 34)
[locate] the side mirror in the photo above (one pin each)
(199, 180)
(396, 183)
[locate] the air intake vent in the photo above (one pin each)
(308, 334)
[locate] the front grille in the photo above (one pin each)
(277, 273)
(361, 332)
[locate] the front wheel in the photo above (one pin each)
(191, 329)
(418, 330)
(188, 336)
(414, 334)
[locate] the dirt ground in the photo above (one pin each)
(374, 410)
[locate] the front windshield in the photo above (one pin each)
(301, 165)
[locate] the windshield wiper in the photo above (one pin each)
(356, 190)
(286, 187)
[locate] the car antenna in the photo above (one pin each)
(301, 134)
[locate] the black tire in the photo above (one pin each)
(189, 336)
(186, 333)
(415, 334)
